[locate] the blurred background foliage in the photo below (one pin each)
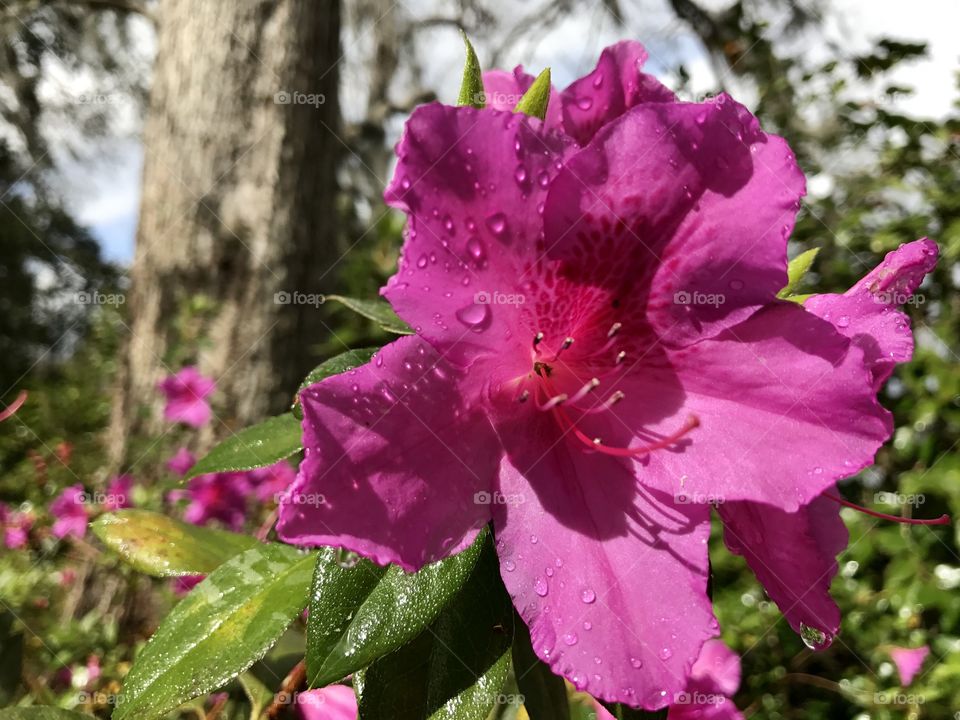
(879, 176)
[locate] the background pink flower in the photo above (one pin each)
(117, 494)
(182, 461)
(186, 394)
(908, 662)
(334, 702)
(70, 511)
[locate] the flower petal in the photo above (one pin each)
(693, 201)
(600, 568)
(470, 181)
(395, 453)
(785, 408)
(614, 86)
(908, 662)
(793, 555)
(863, 313)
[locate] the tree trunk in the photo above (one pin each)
(238, 205)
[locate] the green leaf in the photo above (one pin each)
(456, 668)
(377, 310)
(360, 613)
(471, 87)
(163, 547)
(796, 270)
(220, 629)
(339, 364)
(259, 695)
(257, 446)
(544, 694)
(535, 100)
(42, 712)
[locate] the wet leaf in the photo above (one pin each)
(362, 612)
(42, 712)
(339, 364)
(220, 629)
(163, 547)
(456, 668)
(257, 446)
(377, 310)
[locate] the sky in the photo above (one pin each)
(105, 195)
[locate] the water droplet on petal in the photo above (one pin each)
(585, 103)
(636, 662)
(843, 321)
(497, 223)
(520, 174)
(570, 639)
(475, 316)
(588, 595)
(476, 248)
(736, 284)
(422, 261)
(540, 587)
(815, 639)
(509, 566)
(666, 653)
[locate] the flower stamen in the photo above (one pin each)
(942, 520)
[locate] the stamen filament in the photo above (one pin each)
(942, 520)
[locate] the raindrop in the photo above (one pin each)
(843, 321)
(588, 596)
(422, 261)
(736, 284)
(475, 316)
(520, 174)
(509, 566)
(570, 639)
(585, 103)
(540, 587)
(666, 654)
(636, 662)
(476, 248)
(497, 223)
(813, 638)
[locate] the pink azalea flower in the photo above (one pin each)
(182, 461)
(16, 527)
(217, 496)
(908, 662)
(599, 357)
(117, 495)
(183, 585)
(334, 702)
(70, 511)
(186, 394)
(270, 483)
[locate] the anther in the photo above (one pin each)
(620, 356)
(614, 329)
(537, 339)
(523, 396)
(582, 392)
(567, 342)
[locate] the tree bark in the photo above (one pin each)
(238, 204)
